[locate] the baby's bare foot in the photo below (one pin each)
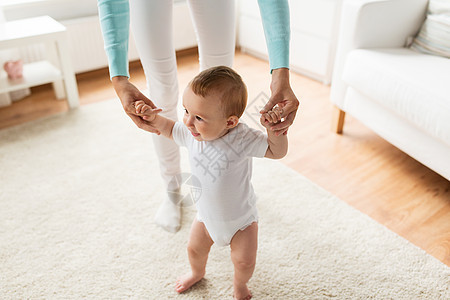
(242, 292)
(186, 281)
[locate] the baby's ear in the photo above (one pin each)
(232, 122)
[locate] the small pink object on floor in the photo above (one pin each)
(14, 68)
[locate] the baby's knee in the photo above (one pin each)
(244, 262)
(196, 250)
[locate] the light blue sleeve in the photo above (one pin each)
(115, 23)
(275, 19)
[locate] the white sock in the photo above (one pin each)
(168, 215)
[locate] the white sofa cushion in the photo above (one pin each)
(413, 85)
(434, 36)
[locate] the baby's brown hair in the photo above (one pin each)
(229, 84)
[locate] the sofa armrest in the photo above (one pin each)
(373, 24)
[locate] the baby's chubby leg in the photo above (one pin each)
(198, 249)
(244, 245)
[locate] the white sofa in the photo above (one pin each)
(402, 95)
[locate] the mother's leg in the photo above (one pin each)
(151, 24)
(214, 24)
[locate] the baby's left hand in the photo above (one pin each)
(271, 117)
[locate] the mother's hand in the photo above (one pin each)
(128, 95)
(282, 95)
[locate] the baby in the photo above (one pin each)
(220, 153)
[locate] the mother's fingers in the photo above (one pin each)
(269, 105)
(148, 112)
(143, 124)
(282, 131)
(147, 101)
(278, 113)
(286, 123)
(271, 117)
(139, 106)
(289, 106)
(134, 106)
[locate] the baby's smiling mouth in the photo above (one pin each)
(195, 134)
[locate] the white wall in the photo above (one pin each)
(83, 27)
(57, 9)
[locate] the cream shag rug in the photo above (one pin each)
(78, 192)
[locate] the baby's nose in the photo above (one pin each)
(190, 121)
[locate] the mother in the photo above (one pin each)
(214, 23)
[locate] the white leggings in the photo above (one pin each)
(151, 23)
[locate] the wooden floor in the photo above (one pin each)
(359, 167)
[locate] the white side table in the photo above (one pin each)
(57, 69)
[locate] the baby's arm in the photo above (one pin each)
(162, 124)
(278, 144)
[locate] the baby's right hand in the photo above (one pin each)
(145, 111)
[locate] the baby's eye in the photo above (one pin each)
(198, 118)
(185, 111)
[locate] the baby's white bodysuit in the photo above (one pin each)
(223, 167)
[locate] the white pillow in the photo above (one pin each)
(434, 35)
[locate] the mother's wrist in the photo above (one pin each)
(120, 84)
(280, 77)
(118, 80)
(280, 72)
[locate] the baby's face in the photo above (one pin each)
(203, 116)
